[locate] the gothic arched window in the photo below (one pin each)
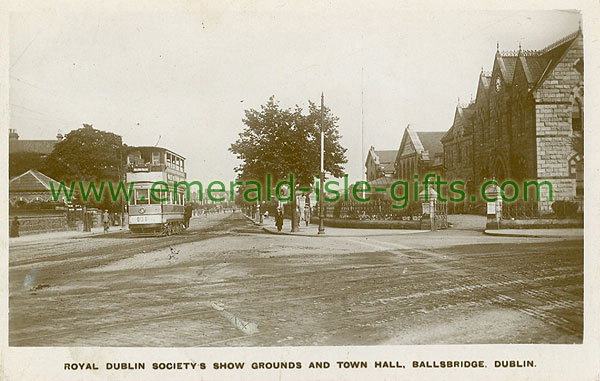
(576, 117)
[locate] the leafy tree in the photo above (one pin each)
(280, 142)
(86, 154)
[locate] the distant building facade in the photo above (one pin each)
(419, 153)
(458, 147)
(522, 124)
(380, 163)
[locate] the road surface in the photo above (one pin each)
(225, 282)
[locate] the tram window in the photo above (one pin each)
(141, 197)
(157, 197)
(155, 158)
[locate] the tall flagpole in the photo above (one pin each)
(322, 175)
(362, 128)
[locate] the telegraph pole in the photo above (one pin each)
(322, 175)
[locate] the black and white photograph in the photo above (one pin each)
(304, 190)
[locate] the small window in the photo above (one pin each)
(141, 197)
(155, 158)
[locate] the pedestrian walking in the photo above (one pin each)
(297, 216)
(307, 214)
(14, 227)
(106, 220)
(279, 219)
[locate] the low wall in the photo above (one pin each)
(368, 224)
(41, 224)
(537, 223)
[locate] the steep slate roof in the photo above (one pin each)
(554, 53)
(384, 181)
(39, 146)
(536, 63)
(431, 141)
(464, 114)
(386, 156)
(30, 181)
(507, 61)
(385, 159)
(533, 66)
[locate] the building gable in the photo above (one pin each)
(561, 70)
(407, 146)
(30, 181)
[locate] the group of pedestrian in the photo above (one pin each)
(302, 214)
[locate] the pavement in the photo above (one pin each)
(311, 230)
(537, 233)
(59, 235)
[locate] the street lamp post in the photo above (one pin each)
(322, 175)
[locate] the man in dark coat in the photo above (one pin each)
(14, 227)
(279, 219)
(187, 215)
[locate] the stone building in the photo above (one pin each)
(458, 150)
(419, 153)
(523, 122)
(380, 163)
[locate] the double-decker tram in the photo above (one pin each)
(160, 212)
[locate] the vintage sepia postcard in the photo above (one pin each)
(207, 190)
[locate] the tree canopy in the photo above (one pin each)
(282, 141)
(86, 154)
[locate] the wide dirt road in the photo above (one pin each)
(226, 283)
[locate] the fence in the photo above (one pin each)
(373, 210)
(520, 210)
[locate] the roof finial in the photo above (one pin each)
(497, 47)
(519, 46)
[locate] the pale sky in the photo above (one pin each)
(181, 74)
